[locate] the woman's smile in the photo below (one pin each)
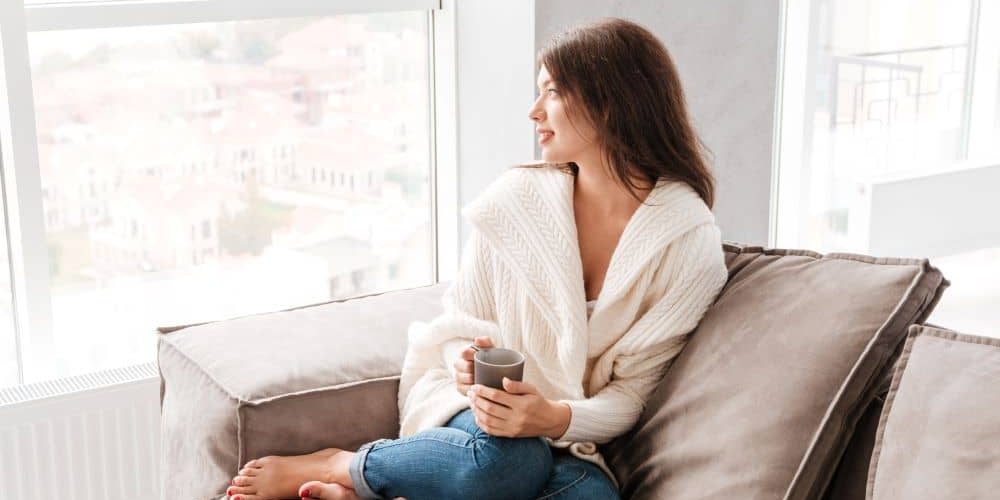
(544, 135)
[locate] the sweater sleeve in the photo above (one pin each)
(695, 272)
(428, 371)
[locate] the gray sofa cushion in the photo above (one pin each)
(763, 399)
(938, 433)
(289, 382)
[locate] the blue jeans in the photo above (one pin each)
(461, 461)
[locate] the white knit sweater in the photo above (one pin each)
(521, 283)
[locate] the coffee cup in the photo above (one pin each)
(492, 364)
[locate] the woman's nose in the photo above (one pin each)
(534, 113)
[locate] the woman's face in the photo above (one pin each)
(560, 140)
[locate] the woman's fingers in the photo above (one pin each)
(463, 376)
(463, 366)
(493, 409)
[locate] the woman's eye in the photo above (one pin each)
(551, 91)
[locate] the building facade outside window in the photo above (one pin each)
(179, 168)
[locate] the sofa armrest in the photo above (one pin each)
(282, 383)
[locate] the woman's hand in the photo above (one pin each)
(518, 411)
(464, 364)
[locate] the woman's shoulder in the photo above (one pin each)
(516, 178)
(698, 250)
(536, 169)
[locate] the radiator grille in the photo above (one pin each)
(93, 437)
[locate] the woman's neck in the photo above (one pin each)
(597, 187)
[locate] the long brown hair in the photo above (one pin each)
(622, 77)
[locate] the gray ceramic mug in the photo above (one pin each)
(492, 364)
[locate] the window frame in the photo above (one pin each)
(116, 14)
(20, 175)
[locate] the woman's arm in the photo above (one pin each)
(641, 357)
(615, 408)
(468, 312)
(562, 414)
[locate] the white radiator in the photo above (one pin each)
(94, 437)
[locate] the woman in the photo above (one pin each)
(595, 263)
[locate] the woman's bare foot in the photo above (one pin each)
(275, 478)
(330, 491)
(327, 491)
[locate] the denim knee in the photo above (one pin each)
(506, 468)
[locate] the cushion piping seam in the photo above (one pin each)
(890, 398)
(190, 361)
(317, 390)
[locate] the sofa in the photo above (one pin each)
(783, 391)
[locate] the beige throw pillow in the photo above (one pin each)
(939, 433)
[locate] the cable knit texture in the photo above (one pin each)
(521, 283)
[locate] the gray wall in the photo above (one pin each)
(726, 52)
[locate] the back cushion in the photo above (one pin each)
(938, 433)
(763, 399)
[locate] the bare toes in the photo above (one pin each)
(240, 490)
(243, 481)
(327, 491)
(310, 489)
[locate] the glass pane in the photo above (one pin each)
(876, 165)
(8, 342)
(896, 75)
(205, 171)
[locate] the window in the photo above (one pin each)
(119, 90)
(890, 140)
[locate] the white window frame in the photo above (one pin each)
(20, 176)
